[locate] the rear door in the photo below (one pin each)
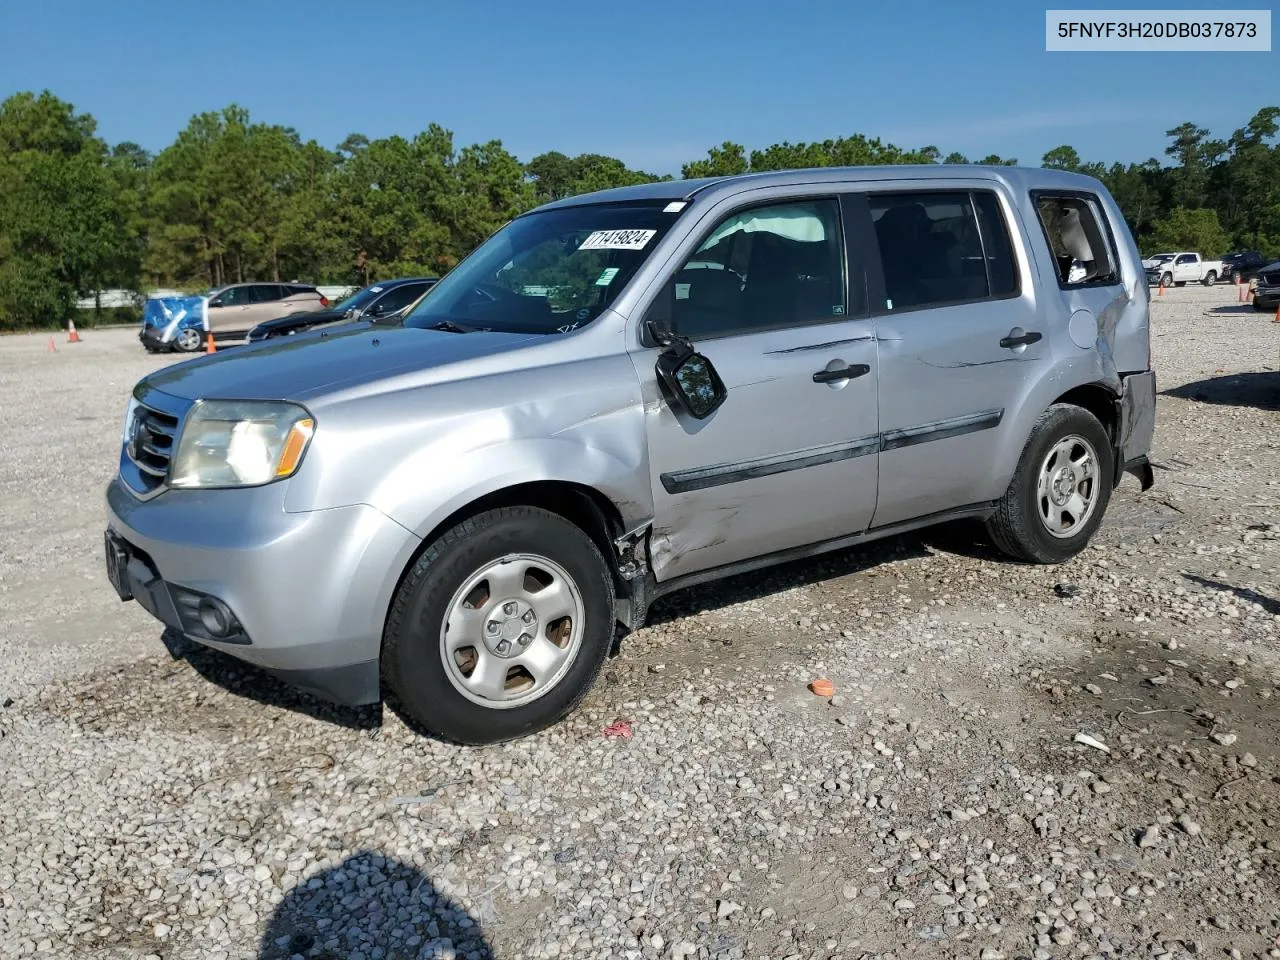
(956, 324)
(265, 303)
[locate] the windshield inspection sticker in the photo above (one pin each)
(617, 240)
(675, 206)
(375, 289)
(606, 276)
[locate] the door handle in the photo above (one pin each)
(842, 373)
(1022, 340)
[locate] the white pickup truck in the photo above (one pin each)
(1179, 268)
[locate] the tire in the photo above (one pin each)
(188, 340)
(1259, 307)
(1018, 527)
(425, 670)
(1167, 279)
(1210, 279)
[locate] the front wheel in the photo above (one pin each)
(188, 340)
(1167, 280)
(500, 627)
(1060, 491)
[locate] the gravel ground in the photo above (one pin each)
(942, 804)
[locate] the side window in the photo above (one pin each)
(265, 292)
(933, 250)
(768, 266)
(397, 299)
(234, 297)
(1073, 229)
(1186, 258)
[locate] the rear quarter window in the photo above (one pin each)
(1079, 238)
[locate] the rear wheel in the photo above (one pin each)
(1061, 489)
(500, 628)
(1210, 279)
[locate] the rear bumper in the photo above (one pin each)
(306, 593)
(1136, 426)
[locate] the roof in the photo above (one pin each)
(1013, 177)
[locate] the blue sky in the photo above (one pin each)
(654, 83)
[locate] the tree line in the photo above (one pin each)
(232, 199)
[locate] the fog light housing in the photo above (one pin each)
(206, 617)
(215, 617)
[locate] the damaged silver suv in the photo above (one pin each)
(624, 393)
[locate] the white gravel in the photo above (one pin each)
(939, 805)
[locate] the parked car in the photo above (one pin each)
(235, 310)
(383, 301)
(1243, 265)
(1266, 296)
(1182, 268)
(464, 507)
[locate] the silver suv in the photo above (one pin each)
(624, 393)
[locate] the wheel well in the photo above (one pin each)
(583, 506)
(1098, 400)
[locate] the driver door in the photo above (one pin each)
(227, 310)
(790, 457)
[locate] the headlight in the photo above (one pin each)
(241, 443)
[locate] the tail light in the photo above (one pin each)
(324, 301)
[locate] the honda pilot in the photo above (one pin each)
(624, 393)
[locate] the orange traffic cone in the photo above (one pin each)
(1161, 288)
(1276, 319)
(209, 347)
(72, 336)
(52, 348)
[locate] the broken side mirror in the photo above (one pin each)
(690, 378)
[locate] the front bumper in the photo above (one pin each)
(308, 592)
(154, 337)
(1267, 299)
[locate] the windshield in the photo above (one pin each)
(1161, 257)
(360, 299)
(548, 272)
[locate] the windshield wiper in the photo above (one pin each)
(448, 326)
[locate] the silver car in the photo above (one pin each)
(624, 393)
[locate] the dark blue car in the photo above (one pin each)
(383, 301)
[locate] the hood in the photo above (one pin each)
(308, 365)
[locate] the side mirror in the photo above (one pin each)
(215, 302)
(691, 380)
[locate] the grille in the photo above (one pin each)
(150, 445)
(1271, 279)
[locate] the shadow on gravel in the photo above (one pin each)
(1238, 308)
(1260, 390)
(959, 537)
(371, 901)
(245, 680)
(1243, 593)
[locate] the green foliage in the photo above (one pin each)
(232, 199)
(1187, 229)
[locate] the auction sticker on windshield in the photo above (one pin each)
(617, 240)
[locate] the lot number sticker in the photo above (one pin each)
(617, 240)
